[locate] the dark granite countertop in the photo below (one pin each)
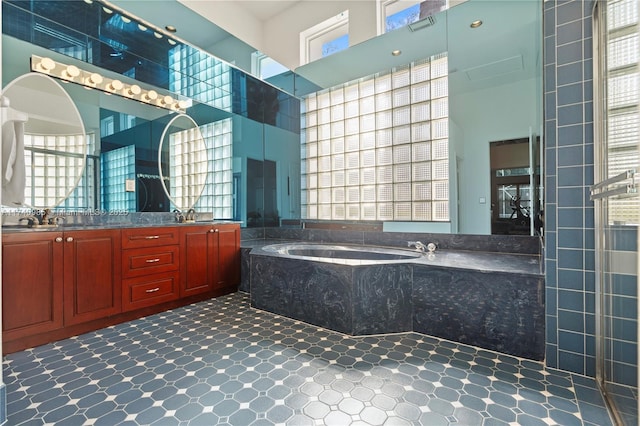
(119, 225)
(459, 259)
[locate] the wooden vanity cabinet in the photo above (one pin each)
(32, 283)
(92, 275)
(210, 259)
(150, 266)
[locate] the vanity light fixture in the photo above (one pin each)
(476, 23)
(94, 80)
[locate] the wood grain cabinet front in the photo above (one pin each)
(210, 259)
(92, 275)
(150, 267)
(32, 283)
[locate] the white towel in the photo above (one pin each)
(13, 168)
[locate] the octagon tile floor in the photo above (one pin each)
(220, 362)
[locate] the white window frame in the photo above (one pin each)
(260, 61)
(312, 39)
(389, 7)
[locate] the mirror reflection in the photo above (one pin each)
(43, 143)
(182, 161)
(257, 174)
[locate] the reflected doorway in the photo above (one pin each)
(512, 196)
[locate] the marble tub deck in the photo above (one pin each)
(491, 300)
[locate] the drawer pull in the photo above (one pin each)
(152, 260)
(152, 237)
(152, 290)
(58, 239)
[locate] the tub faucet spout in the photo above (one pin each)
(418, 245)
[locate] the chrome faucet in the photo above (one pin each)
(42, 218)
(191, 215)
(418, 245)
(179, 216)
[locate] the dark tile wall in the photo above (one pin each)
(569, 217)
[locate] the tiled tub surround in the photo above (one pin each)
(492, 300)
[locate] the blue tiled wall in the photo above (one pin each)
(569, 219)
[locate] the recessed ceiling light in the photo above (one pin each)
(396, 52)
(107, 10)
(171, 42)
(125, 19)
(170, 28)
(142, 27)
(88, 1)
(476, 24)
(157, 34)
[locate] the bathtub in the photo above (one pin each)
(342, 254)
(491, 300)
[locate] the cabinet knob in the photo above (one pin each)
(69, 239)
(213, 230)
(58, 239)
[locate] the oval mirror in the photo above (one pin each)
(182, 161)
(44, 143)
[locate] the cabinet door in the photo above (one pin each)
(194, 261)
(225, 249)
(31, 283)
(92, 275)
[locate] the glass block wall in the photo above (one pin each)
(377, 148)
(200, 77)
(117, 166)
(54, 160)
(84, 195)
(217, 195)
(188, 166)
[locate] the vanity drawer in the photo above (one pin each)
(145, 261)
(149, 237)
(149, 290)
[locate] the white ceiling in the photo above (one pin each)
(263, 10)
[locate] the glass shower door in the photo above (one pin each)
(616, 203)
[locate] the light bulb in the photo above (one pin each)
(47, 64)
(167, 100)
(94, 78)
(72, 71)
(182, 104)
(151, 95)
(134, 90)
(115, 85)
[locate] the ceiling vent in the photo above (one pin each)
(423, 23)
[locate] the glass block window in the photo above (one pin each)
(217, 195)
(623, 101)
(188, 166)
(378, 148)
(51, 163)
(117, 166)
(199, 76)
(84, 195)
